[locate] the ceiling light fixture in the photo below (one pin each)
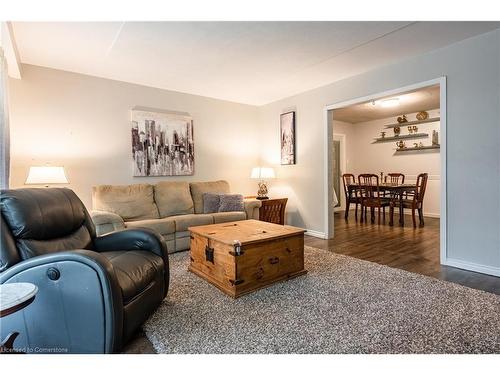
(388, 103)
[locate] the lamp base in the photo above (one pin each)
(262, 192)
(261, 198)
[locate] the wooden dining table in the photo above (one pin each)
(396, 193)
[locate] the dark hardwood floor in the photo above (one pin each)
(414, 250)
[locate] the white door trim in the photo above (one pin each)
(343, 166)
(327, 144)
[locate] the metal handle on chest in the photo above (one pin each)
(209, 254)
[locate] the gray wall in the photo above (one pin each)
(472, 68)
(83, 123)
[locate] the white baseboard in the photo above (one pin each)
(426, 214)
(430, 214)
(469, 266)
(315, 233)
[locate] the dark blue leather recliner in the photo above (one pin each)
(94, 292)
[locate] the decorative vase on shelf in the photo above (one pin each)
(402, 119)
(410, 130)
(435, 138)
(397, 131)
(422, 115)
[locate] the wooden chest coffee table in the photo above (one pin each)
(242, 256)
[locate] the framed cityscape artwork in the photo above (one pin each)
(162, 143)
(287, 133)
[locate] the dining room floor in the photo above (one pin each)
(414, 250)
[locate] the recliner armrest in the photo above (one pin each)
(75, 267)
(106, 222)
(132, 239)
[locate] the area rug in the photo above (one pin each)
(343, 305)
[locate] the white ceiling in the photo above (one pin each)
(409, 102)
(247, 62)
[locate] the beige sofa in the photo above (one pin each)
(167, 207)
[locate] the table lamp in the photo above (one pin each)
(261, 173)
(46, 176)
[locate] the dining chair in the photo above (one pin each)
(349, 179)
(395, 178)
(371, 196)
(413, 202)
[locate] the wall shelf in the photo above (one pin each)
(432, 147)
(417, 122)
(400, 137)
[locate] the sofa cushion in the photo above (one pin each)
(131, 202)
(200, 188)
(231, 202)
(183, 222)
(162, 226)
(173, 198)
(224, 217)
(211, 203)
(134, 270)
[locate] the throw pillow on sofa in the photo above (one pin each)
(231, 202)
(211, 203)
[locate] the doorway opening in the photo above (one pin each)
(401, 131)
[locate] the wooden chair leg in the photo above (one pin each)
(361, 213)
(421, 216)
(378, 218)
(356, 211)
(372, 214)
(383, 210)
(413, 218)
(347, 205)
(391, 215)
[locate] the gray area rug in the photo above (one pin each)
(343, 305)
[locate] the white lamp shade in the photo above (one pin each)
(262, 172)
(46, 176)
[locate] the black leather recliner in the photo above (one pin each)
(94, 292)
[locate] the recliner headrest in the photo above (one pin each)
(42, 214)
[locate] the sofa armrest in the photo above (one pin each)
(106, 222)
(252, 206)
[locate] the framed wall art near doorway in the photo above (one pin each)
(287, 138)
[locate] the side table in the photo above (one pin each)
(14, 297)
(273, 210)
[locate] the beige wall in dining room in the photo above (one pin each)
(83, 123)
(367, 157)
(472, 70)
